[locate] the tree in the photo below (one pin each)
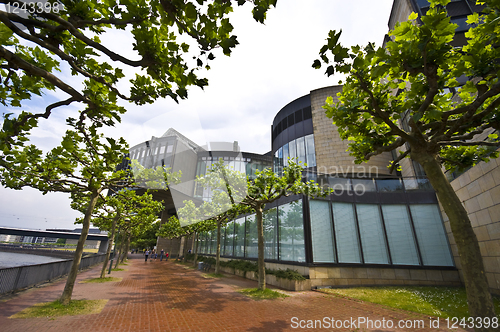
(83, 165)
(268, 187)
(173, 229)
(394, 97)
(67, 34)
(124, 208)
(228, 188)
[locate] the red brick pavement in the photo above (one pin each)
(165, 296)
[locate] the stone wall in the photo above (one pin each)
(401, 9)
(370, 276)
(479, 191)
(332, 156)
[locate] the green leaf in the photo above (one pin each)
(413, 16)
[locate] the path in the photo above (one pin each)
(165, 296)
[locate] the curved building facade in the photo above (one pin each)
(302, 131)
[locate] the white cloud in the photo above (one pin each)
(270, 68)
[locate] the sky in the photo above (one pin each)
(271, 67)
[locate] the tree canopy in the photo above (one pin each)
(407, 96)
(170, 41)
(413, 80)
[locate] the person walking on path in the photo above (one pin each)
(146, 254)
(166, 257)
(161, 255)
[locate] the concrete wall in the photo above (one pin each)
(89, 244)
(401, 9)
(369, 276)
(359, 276)
(331, 151)
(479, 190)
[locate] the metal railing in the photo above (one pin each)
(14, 278)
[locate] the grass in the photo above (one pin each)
(258, 294)
(56, 309)
(213, 275)
(117, 269)
(435, 301)
(101, 280)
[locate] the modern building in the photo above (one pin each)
(377, 228)
(178, 153)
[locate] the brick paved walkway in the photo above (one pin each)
(164, 296)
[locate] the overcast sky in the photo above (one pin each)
(270, 68)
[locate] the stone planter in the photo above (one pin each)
(293, 285)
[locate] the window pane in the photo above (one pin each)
(228, 244)
(201, 243)
(251, 239)
(372, 234)
(301, 150)
(321, 232)
(311, 153)
(239, 241)
(213, 242)
(291, 232)
(431, 236)
(346, 233)
(340, 185)
(270, 234)
(400, 235)
(292, 150)
(390, 185)
(285, 155)
(361, 186)
(417, 184)
(222, 240)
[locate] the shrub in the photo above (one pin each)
(189, 257)
(288, 274)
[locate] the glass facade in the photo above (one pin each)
(378, 234)
(291, 232)
(342, 233)
(301, 149)
(283, 234)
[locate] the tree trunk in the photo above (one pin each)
(110, 246)
(196, 236)
(127, 246)
(185, 249)
(180, 247)
(217, 252)
(121, 235)
(70, 282)
(476, 284)
(261, 263)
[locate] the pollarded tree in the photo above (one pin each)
(127, 209)
(228, 188)
(436, 127)
(268, 187)
(163, 36)
(83, 165)
(174, 229)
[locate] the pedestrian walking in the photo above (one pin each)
(146, 254)
(161, 255)
(166, 256)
